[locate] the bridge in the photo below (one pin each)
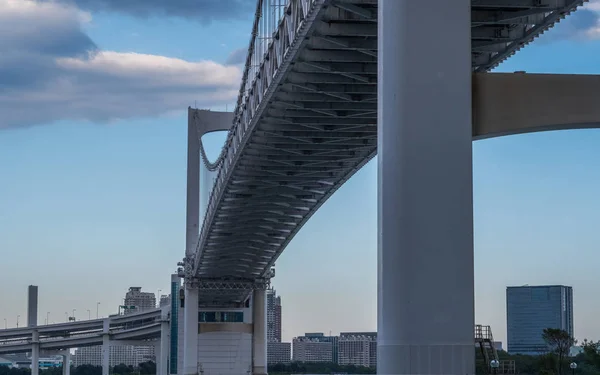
(143, 328)
(327, 85)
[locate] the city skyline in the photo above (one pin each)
(88, 203)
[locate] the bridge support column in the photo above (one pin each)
(425, 206)
(35, 353)
(66, 365)
(162, 350)
(190, 331)
(106, 347)
(259, 333)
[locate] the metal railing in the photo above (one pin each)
(276, 23)
(483, 332)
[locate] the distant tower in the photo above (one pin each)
(273, 316)
(141, 300)
(530, 310)
(165, 300)
(32, 306)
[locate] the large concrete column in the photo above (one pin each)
(162, 350)
(425, 205)
(193, 187)
(157, 359)
(66, 369)
(190, 310)
(106, 347)
(35, 353)
(190, 331)
(32, 306)
(259, 333)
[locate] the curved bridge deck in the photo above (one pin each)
(306, 121)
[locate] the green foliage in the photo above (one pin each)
(145, 368)
(559, 343)
(318, 368)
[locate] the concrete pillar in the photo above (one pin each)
(190, 331)
(193, 187)
(32, 306)
(35, 353)
(190, 312)
(106, 347)
(259, 333)
(157, 354)
(162, 350)
(425, 311)
(66, 369)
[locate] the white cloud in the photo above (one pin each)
(593, 31)
(51, 70)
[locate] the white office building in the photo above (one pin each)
(165, 300)
(141, 300)
(307, 349)
(358, 348)
(279, 352)
(119, 354)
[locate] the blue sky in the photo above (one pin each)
(92, 170)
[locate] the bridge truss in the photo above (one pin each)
(306, 120)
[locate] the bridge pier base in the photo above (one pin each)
(425, 204)
(35, 353)
(162, 349)
(190, 331)
(259, 332)
(66, 363)
(106, 347)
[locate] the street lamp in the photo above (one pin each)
(48, 318)
(573, 366)
(74, 314)
(494, 364)
(5, 325)
(18, 316)
(97, 306)
(89, 314)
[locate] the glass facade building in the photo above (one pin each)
(530, 310)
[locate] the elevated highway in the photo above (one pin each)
(138, 328)
(118, 322)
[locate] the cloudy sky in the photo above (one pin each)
(92, 169)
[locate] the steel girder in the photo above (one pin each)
(306, 120)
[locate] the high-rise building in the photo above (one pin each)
(141, 300)
(273, 316)
(311, 349)
(530, 310)
(279, 352)
(165, 300)
(119, 354)
(358, 348)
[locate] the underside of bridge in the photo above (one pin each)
(316, 125)
(337, 82)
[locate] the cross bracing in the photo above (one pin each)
(306, 118)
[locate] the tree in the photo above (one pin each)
(559, 342)
(147, 368)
